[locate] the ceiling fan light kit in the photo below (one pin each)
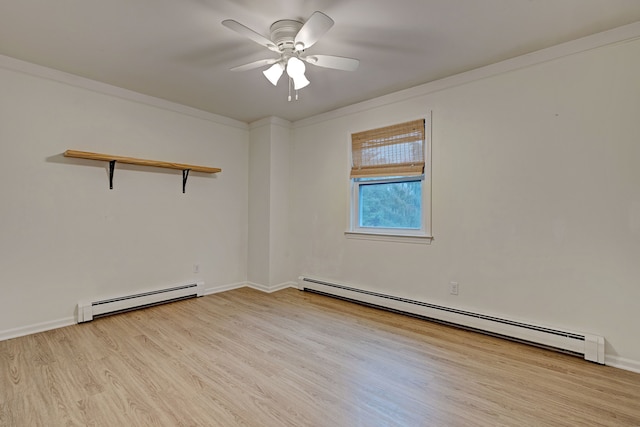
(295, 70)
(290, 39)
(274, 72)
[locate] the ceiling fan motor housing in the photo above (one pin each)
(290, 38)
(283, 33)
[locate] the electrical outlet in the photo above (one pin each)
(453, 288)
(196, 268)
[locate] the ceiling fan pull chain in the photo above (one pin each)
(289, 98)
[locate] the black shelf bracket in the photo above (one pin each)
(185, 175)
(112, 166)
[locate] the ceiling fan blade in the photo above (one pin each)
(315, 27)
(250, 34)
(255, 64)
(335, 62)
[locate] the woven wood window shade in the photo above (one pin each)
(396, 150)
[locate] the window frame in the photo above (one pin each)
(421, 235)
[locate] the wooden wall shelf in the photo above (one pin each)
(185, 168)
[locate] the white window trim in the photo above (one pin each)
(422, 235)
(389, 237)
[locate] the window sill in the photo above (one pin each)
(422, 239)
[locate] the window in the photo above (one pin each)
(389, 185)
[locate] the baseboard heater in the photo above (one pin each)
(589, 346)
(89, 310)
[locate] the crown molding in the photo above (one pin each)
(270, 121)
(35, 70)
(622, 34)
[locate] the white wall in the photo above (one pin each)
(270, 261)
(259, 204)
(64, 236)
(280, 250)
(536, 197)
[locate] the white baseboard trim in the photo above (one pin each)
(68, 321)
(622, 363)
(273, 288)
(610, 360)
(35, 328)
(224, 288)
(257, 286)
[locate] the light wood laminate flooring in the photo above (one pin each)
(291, 358)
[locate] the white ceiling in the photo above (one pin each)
(178, 50)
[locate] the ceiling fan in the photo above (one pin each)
(290, 39)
